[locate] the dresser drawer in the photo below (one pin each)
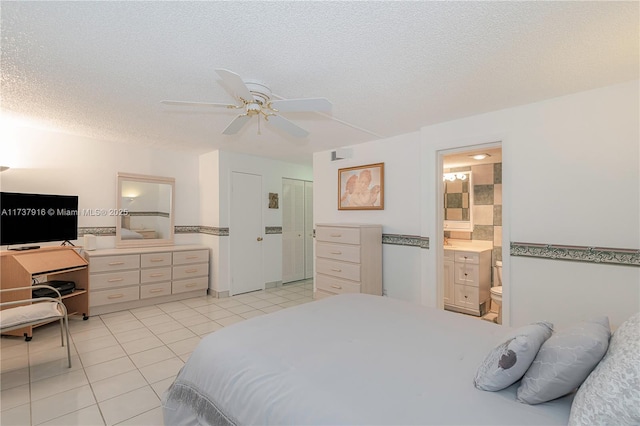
(187, 271)
(467, 257)
(338, 252)
(114, 279)
(195, 256)
(114, 263)
(348, 271)
(119, 295)
(336, 285)
(155, 275)
(338, 235)
(191, 284)
(468, 274)
(154, 260)
(466, 296)
(155, 290)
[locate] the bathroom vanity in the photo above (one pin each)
(467, 277)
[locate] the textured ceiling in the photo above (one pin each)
(101, 68)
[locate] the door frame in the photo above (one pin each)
(433, 263)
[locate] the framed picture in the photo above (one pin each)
(361, 187)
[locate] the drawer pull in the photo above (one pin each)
(157, 259)
(159, 274)
(156, 290)
(191, 257)
(190, 271)
(115, 280)
(339, 287)
(115, 263)
(336, 252)
(336, 270)
(191, 285)
(115, 296)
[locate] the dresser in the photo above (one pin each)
(467, 280)
(348, 259)
(129, 278)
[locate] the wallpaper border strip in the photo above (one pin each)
(613, 256)
(406, 240)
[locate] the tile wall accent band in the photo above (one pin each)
(406, 240)
(613, 256)
(100, 231)
(161, 214)
(186, 229)
(212, 230)
(273, 230)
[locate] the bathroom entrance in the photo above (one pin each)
(472, 230)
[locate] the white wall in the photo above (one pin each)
(571, 175)
(216, 169)
(49, 161)
(401, 214)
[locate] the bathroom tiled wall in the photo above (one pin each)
(487, 207)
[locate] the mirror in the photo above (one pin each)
(146, 203)
(458, 201)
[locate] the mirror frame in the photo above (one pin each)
(146, 242)
(462, 225)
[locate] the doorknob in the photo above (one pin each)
(259, 238)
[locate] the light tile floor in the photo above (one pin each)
(121, 362)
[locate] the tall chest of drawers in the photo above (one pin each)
(348, 259)
(130, 278)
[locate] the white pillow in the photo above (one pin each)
(611, 393)
(564, 361)
(508, 362)
(25, 314)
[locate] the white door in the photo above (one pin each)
(246, 233)
(293, 230)
(308, 229)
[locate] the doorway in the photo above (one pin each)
(246, 233)
(297, 230)
(471, 210)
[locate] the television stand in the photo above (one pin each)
(24, 248)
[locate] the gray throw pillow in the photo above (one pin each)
(564, 361)
(508, 362)
(611, 393)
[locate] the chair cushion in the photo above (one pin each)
(44, 311)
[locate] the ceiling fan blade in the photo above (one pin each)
(235, 84)
(237, 123)
(288, 126)
(308, 104)
(206, 104)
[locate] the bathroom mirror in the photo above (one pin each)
(146, 207)
(458, 201)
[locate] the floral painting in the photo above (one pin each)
(361, 188)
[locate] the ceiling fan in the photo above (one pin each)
(254, 98)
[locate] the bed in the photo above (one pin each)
(349, 359)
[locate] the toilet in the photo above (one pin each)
(496, 291)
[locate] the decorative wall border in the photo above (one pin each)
(186, 229)
(212, 230)
(100, 231)
(406, 240)
(613, 256)
(273, 230)
(160, 214)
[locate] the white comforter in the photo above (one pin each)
(349, 359)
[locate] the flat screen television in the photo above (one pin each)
(37, 218)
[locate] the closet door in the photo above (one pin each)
(246, 233)
(293, 230)
(308, 230)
